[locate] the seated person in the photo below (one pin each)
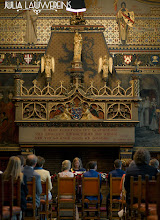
(44, 174)
(77, 165)
(66, 166)
(141, 167)
(14, 169)
(29, 172)
(22, 159)
(129, 163)
(92, 166)
(154, 163)
(117, 172)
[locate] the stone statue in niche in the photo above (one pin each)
(105, 66)
(77, 47)
(125, 19)
(154, 116)
(31, 33)
(47, 64)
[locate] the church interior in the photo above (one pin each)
(79, 84)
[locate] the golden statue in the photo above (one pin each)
(47, 64)
(77, 47)
(105, 66)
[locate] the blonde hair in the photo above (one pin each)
(80, 162)
(66, 165)
(14, 169)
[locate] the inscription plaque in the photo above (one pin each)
(76, 135)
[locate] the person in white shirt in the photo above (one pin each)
(66, 166)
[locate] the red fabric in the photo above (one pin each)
(43, 201)
(29, 205)
(121, 184)
(66, 200)
(103, 209)
(16, 209)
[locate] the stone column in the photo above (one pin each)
(136, 87)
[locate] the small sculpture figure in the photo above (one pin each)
(146, 107)
(124, 19)
(105, 65)
(154, 116)
(2, 56)
(137, 63)
(77, 7)
(77, 19)
(47, 64)
(77, 47)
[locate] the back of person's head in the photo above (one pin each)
(117, 164)
(31, 160)
(66, 165)
(141, 156)
(154, 163)
(21, 157)
(13, 168)
(40, 161)
(92, 165)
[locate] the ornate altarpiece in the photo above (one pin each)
(76, 106)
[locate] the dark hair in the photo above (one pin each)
(117, 163)
(142, 156)
(21, 159)
(40, 161)
(31, 160)
(92, 164)
(123, 3)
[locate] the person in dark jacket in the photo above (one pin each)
(141, 167)
(117, 172)
(92, 165)
(29, 172)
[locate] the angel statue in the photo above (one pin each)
(105, 66)
(47, 64)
